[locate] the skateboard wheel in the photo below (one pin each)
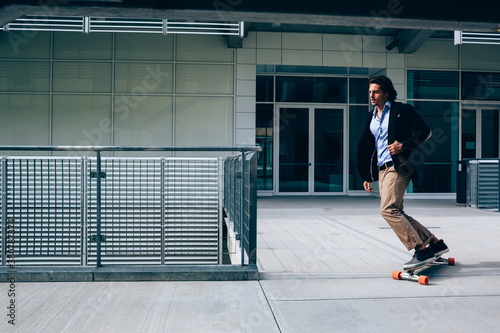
(451, 261)
(396, 275)
(422, 279)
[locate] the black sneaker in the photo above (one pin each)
(420, 258)
(439, 248)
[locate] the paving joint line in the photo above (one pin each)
(270, 307)
(378, 298)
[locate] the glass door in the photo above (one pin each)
(328, 150)
(480, 132)
(293, 149)
(489, 133)
(311, 149)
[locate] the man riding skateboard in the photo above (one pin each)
(393, 130)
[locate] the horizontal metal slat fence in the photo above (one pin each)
(43, 201)
(157, 211)
(130, 211)
(240, 202)
(483, 183)
(192, 211)
(3, 227)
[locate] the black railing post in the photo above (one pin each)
(163, 211)
(98, 238)
(252, 210)
(242, 208)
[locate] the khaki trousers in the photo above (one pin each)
(392, 190)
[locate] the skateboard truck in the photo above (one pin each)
(411, 274)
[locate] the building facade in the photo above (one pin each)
(300, 93)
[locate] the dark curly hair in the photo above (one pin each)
(386, 86)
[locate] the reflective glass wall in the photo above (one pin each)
(435, 96)
(460, 106)
(310, 86)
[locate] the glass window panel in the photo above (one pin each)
(24, 76)
(25, 121)
(25, 45)
(440, 54)
(204, 79)
(265, 68)
(358, 90)
(203, 48)
(204, 121)
(294, 150)
(441, 150)
(468, 133)
(357, 122)
(147, 123)
(70, 45)
(359, 71)
(82, 77)
(480, 57)
(139, 46)
(311, 89)
(265, 88)
(489, 133)
(143, 78)
(264, 138)
(328, 150)
(432, 85)
(481, 86)
(81, 120)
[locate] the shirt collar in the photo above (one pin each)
(387, 107)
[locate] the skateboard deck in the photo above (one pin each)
(412, 274)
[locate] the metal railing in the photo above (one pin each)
(240, 202)
(483, 183)
(114, 210)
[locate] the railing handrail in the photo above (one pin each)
(130, 148)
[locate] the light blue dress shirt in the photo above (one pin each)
(380, 130)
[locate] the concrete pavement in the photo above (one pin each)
(325, 265)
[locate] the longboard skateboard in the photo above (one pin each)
(412, 274)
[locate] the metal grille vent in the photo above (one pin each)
(125, 25)
(462, 37)
(96, 24)
(33, 23)
(483, 183)
(487, 185)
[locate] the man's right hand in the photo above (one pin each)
(368, 186)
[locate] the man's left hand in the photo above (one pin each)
(395, 148)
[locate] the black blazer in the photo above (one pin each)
(405, 126)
